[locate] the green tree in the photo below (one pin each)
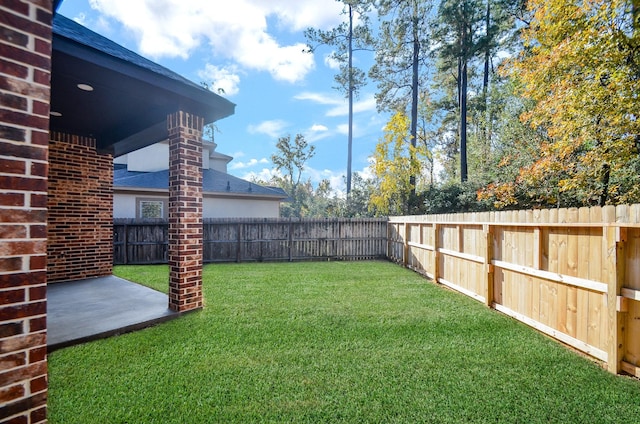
(322, 202)
(459, 32)
(347, 38)
(357, 204)
(471, 38)
(516, 146)
(581, 67)
(394, 160)
(290, 160)
(401, 62)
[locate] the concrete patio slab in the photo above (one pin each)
(85, 310)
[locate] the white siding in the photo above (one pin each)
(240, 208)
(149, 159)
(124, 206)
(156, 158)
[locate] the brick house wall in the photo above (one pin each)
(25, 47)
(80, 224)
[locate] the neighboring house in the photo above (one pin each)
(141, 181)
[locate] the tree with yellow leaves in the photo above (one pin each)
(394, 162)
(581, 68)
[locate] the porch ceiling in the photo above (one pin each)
(131, 96)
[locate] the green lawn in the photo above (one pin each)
(357, 342)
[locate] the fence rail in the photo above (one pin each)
(570, 273)
(241, 240)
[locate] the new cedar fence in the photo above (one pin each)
(241, 240)
(573, 274)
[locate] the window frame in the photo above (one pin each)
(140, 201)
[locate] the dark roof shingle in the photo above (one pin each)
(70, 29)
(212, 182)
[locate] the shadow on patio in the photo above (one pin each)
(91, 309)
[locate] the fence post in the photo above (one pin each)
(613, 249)
(389, 240)
(260, 239)
(125, 244)
(290, 240)
(405, 250)
(238, 246)
(436, 254)
(488, 266)
(338, 244)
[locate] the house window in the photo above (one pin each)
(151, 208)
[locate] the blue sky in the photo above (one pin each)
(252, 49)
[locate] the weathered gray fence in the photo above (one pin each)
(272, 239)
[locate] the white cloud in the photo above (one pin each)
(367, 172)
(330, 62)
(251, 163)
(340, 105)
(236, 32)
(316, 133)
(104, 25)
(319, 98)
(365, 105)
(224, 81)
(315, 137)
(318, 128)
(343, 129)
(336, 179)
(273, 128)
(265, 174)
(100, 23)
(81, 18)
(301, 14)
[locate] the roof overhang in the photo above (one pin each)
(131, 97)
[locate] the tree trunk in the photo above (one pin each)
(606, 176)
(487, 55)
(463, 121)
(414, 97)
(350, 70)
(485, 133)
(462, 69)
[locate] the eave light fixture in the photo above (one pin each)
(85, 87)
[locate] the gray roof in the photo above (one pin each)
(213, 181)
(71, 30)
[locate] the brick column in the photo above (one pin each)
(185, 211)
(25, 46)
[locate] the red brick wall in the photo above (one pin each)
(80, 225)
(25, 48)
(185, 211)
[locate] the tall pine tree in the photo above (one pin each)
(401, 67)
(351, 35)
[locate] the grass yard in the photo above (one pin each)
(353, 342)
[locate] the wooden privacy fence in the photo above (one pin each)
(240, 240)
(573, 274)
